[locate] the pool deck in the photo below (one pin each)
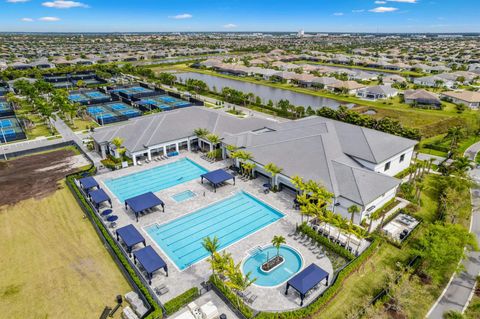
(269, 299)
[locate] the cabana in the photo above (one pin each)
(88, 183)
(217, 177)
(308, 278)
(130, 237)
(150, 261)
(141, 203)
(99, 196)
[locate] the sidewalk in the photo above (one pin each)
(459, 290)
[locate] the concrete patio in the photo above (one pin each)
(269, 299)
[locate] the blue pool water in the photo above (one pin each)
(183, 196)
(155, 179)
(291, 265)
(231, 220)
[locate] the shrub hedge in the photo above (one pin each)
(328, 294)
(178, 302)
(339, 250)
(232, 297)
(157, 311)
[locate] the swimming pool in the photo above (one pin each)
(183, 196)
(155, 179)
(277, 276)
(231, 220)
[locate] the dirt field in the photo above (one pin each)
(35, 176)
(53, 264)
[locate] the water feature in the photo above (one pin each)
(265, 93)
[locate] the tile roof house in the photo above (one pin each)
(468, 98)
(377, 92)
(421, 98)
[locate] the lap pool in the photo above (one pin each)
(155, 179)
(231, 220)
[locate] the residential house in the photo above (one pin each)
(377, 92)
(421, 98)
(468, 98)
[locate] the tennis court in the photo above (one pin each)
(90, 96)
(106, 113)
(10, 129)
(164, 102)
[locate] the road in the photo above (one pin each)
(458, 292)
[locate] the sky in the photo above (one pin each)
(407, 16)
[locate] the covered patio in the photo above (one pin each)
(142, 203)
(130, 237)
(88, 183)
(150, 261)
(98, 196)
(217, 178)
(306, 280)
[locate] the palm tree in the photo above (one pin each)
(277, 241)
(236, 280)
(242, 156)
(117, 142)
(211, 246)
(353, 210)
(274, 170)
(201, 132)
(249, 167)
(213, 139)
(462, 164)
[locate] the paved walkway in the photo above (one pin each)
(459, 290)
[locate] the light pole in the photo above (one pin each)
(5, 142)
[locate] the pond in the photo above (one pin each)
(265, 93)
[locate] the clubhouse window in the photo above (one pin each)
(387, 166)
(402, 158)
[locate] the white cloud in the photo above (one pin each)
(338, 14)
(383, 9)
(17, 1)
(230, 26)
(26, 19)
(380, 2)
(63, 4)
(358, 10)
(49, 19)
(182, 16)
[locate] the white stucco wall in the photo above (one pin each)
(395, 165)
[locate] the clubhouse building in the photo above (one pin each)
(356, 164)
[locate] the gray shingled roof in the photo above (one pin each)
(315, 148)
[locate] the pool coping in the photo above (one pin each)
(105, 181)
(283, 282)
(211, 204)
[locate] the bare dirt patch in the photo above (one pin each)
(34, 176)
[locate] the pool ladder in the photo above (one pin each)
(255, 250)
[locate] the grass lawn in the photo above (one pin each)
(40, 128)
(81, 125)
(56, 265)
(364, 284)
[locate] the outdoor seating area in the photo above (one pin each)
(150, 261)
(130, 237)
(206, 311)
(217, 178)
(306, 281)
(145, 203)
(310, 243)
(349, 242)
(400, 227)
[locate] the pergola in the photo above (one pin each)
(141, 203)
(88, 183)
(99, 196)
(150, 261)
(130, 237)
(217, 177)
(308, 278)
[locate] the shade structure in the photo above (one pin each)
(88, 183)
(217, 177)
(150, 261)
(130, 236)
(308, 278)
(141, 203)
(99, 196)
